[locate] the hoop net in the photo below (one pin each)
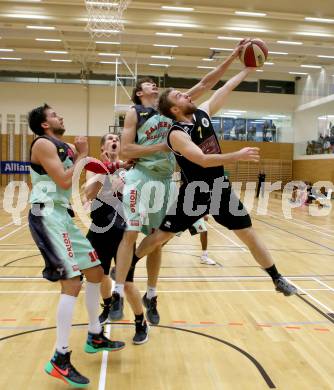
(105, 17)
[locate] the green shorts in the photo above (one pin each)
(66, 251)
(146, 200)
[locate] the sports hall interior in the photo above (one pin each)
(222, 326)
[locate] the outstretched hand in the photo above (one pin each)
(249, 154)
(237, 50)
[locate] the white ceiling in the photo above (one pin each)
(284, 21)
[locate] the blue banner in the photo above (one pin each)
(13, 167)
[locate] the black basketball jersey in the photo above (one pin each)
(203, 135)
(63, 151)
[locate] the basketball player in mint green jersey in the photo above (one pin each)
(65, 250)
(144, 139)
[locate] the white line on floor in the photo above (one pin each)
(323, 284)
(227, 238)
(104, 363)
(164, 291)
(13, 231)
(328, 309)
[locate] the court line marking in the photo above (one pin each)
(294, 234)
(300, 224)
(302, 221)
(181, 278)
(227, 238)
(10, 223)
(13, 231)
(329, 310)
(324, 284)
(161, 291)
(253, 360)
(104, 363)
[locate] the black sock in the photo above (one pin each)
(135, 259)
(107, 301)
(139, 317)
(272, 271)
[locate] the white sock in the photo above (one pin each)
(64, 322)
(92, 297)
(151, 292)
(119, 288)
(205, 254)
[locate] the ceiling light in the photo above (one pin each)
(259, 70)
(108, 62)
(252, 29)
(107, 43)
(56, 51)
(47, 39)
(244, 13)
(283, 53)
(206, 67)
(163, 57)
(230, 38)
(236, 111)
(176, 24)
(158, 45)
(105, 30)
(311, 66)
(290, 42)
(181, 9)
(100, 3)
(207, 59)
(277, 116)
(233, 113)
(7, 50)
(321, 56)
(169, 34)
(320, 20)
(109, 54)
(299, 73)
(10, 58)
(269, 63)
(26, 16)
(59, 60)
(164, 65)
(220, 49)
(41, 27)
(314, 34)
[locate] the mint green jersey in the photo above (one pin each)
(154, 131)
(44, 189)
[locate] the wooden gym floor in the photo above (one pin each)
(222, 327)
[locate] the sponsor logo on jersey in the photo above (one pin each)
(143, 113)
(75, 267)
(68, 245)
(134, 223)
(205, 122)
(168, 224)
(133, 198)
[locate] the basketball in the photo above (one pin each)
(254, 53)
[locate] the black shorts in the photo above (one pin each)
(227, 210)
(106, 246)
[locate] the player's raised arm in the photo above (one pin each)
(217, 100)
(212, 78)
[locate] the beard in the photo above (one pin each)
(190, 109)
(59, 131)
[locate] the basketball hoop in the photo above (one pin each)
(105, 17)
